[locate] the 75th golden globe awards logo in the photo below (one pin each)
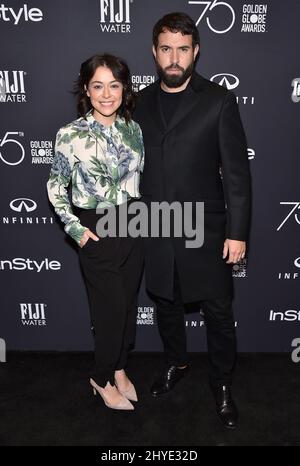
(239, 270)
(139, 82)
(220, 16)
(115, 15)
(254, 17)
(145, 315)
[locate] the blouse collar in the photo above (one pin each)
(95, 124)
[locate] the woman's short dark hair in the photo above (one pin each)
(121, 73)
(176, 22)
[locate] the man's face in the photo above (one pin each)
(175, 57)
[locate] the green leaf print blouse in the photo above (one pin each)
(102, 163)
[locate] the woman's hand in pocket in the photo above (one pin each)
(86, 236)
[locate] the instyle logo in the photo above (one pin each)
(115, 15)
(19, 263)
(12, 86)
(230, 81)
(24, 13)
(33, 314)
(214, 12)
(289, 315)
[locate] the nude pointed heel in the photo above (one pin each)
(123, 403)
(130, 393)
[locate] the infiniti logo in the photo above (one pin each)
(230, 81)
(297, 262)
(23, 203)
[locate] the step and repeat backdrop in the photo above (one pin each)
(251, 48)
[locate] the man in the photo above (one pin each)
(195, 151)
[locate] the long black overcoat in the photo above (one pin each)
(201, 155)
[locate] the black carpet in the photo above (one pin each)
(46, 400)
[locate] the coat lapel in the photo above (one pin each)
(155, 110)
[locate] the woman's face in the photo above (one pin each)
(105, 93)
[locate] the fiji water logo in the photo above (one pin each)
(115, 15)
(12, 86)
(33, 314)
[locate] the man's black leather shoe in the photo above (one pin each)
(226, 408)
(168, 380)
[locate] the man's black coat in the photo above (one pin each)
(201, 155)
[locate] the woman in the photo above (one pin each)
(101, 154)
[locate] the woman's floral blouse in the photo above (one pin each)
(102, 163)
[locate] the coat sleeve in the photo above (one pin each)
(59, 180)
(235, 170)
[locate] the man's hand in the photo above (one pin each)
(235, 250)
(86, 235)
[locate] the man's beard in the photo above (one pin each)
(174, 80)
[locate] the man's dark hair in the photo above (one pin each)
(120, 71)
(176, 22)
